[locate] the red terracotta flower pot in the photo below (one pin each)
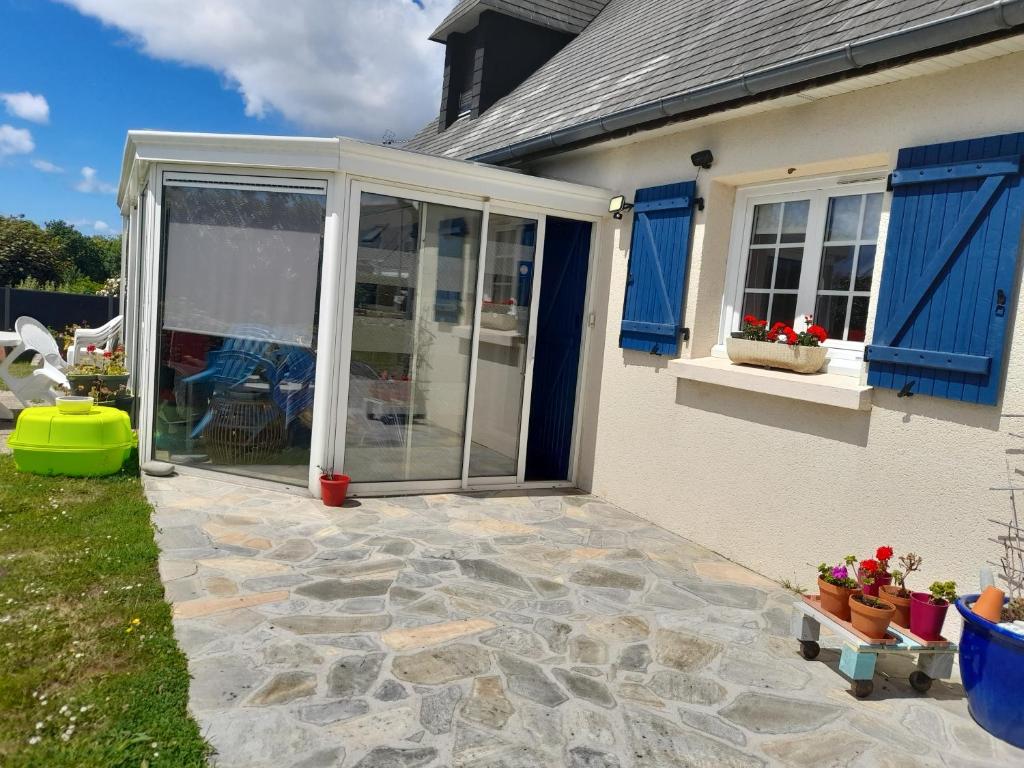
(880, 580)
(333, 489)
(835, 600)
(891, 595)
(926, 617)
(872, 621)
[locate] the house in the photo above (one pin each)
(466, 313)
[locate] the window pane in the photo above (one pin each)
(830, 314)
(858, 319)
(865, 264)
(239, 300)
(409, 377)
(843, 218)
(836, 268)
(766, 224)
(755, 304)
(759, 267)
(783, 308)
(872, 213)
(504, 322)
(794, 221)
(787, 273)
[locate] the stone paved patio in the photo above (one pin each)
(509, 630)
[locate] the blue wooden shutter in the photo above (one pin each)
(950, 268)
(660, 247)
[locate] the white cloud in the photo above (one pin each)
(353, 68)
(27, 106)
(101, 227)
(90, 183)
(46, 166)
(15, 141)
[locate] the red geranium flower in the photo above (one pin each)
(91, 348)
(791, 337)
(749, 319)
(108, 353)
(884, 553)
(869, 566)
(818, 332)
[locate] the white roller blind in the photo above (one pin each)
(242, 262)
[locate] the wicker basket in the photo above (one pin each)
(769, 355)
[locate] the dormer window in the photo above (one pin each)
(491, 50)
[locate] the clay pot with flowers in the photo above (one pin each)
(779, 346)
(835, 586)
(874, 573)
(869, 615)
(897, 593)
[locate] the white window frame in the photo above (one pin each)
(845, 357)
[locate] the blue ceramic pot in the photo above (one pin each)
(992, 670)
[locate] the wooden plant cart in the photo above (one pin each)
(860, 652)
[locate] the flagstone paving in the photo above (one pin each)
(509, 630)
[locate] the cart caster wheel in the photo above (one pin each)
(809, 649)
(919, 681)
(862, 688)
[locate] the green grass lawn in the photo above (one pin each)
(90, 674)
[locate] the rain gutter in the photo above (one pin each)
(998, 16)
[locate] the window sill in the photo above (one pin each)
(825, 388)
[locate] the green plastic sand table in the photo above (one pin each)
(48, 442)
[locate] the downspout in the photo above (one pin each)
(995, 17)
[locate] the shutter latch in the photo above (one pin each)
(906, 391)
(1000, 302)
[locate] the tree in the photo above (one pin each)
(83, 253)
(27, 251)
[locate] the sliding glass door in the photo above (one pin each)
(502, 345)
(443, 310)
(415, 289)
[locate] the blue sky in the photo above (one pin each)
(102, 67)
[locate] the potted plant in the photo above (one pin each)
(928, 609)
(835, 587)
(870, 615)
(114, 371)
(779, 346)
(333, 487)
(992, 654)
(874, 573)
(897, 594)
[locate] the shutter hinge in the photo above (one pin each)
(906, 391)
(686, 334)
(699, 202)
(888, 183)
(591, 319)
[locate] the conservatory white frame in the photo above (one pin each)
(348, 167)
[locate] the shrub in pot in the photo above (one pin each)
(928, 609)
(835, 587)
(874, 573)
(897, 594)
(870, 615)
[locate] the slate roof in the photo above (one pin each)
(564, 15)
(637, 52)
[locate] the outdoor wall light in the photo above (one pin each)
(702, 159)
(617, 205)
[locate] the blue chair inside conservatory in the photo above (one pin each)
(230, 367)
(292, 383)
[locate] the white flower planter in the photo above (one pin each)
(772, 355)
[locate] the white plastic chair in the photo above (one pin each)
(105, 338)
(43, 382)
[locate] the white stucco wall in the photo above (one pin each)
(777, 484)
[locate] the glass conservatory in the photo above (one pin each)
(295, 304)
